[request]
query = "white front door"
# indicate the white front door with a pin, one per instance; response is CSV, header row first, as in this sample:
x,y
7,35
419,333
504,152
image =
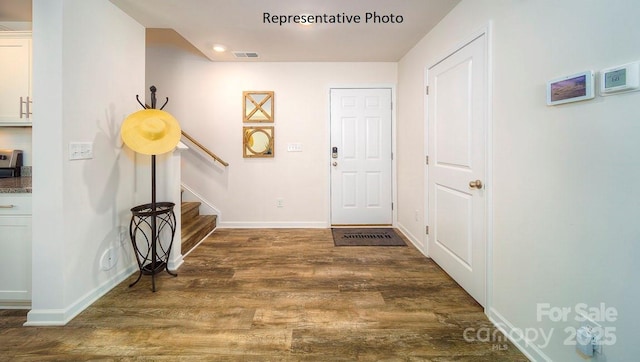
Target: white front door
x,y
457,104
361,157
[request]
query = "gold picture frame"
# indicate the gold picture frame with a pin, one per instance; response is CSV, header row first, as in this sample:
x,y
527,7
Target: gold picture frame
x,y
257,141
257,106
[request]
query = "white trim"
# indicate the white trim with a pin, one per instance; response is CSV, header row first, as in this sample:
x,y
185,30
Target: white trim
x,y
181,146
203,201
173,172
425,186
176,262
394,151
487,32
489,167
15,34
528,348
15,304
198,243
274,225
414,240
60,317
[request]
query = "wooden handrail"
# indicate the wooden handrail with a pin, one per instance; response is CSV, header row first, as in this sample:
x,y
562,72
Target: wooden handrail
x,y
204,149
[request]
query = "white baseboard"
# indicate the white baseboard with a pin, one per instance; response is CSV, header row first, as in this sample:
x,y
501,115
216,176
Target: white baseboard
x,y
60,317
274,225
414,240
11,304
175,262
528,348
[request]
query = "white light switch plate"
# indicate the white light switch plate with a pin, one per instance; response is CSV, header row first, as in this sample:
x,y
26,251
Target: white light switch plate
x,y
294,147
80,150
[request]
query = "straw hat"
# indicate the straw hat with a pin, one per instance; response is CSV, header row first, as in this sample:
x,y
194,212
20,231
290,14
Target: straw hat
x,y
150,132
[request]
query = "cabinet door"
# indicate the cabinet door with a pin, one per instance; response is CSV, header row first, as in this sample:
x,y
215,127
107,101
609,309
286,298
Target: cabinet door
x,y
15,258
15,78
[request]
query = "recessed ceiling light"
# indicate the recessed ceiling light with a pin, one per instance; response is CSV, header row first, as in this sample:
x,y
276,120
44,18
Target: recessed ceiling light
x,y
219,48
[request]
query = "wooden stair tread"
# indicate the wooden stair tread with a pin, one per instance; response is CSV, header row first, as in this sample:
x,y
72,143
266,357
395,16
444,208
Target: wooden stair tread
x,y
194,226
190,210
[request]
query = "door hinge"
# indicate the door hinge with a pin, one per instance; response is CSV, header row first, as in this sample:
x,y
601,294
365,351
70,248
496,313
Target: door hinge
x,y
426,159
392,206
427,229
392,106
392,156
427,90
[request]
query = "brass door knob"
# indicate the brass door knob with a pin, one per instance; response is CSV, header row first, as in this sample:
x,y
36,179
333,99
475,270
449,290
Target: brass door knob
x,y
477,184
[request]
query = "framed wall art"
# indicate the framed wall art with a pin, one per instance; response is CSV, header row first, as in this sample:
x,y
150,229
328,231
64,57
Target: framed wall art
x,y
257,141
257,106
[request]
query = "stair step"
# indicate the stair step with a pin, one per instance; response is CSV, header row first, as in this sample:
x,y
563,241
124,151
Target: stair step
x,y
196,230
194,226
190,210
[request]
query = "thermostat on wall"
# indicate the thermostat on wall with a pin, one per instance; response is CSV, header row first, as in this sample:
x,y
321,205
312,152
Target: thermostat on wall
x,y
623,78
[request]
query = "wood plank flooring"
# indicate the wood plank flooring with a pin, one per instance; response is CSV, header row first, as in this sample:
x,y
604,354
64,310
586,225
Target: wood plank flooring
x,y
273,295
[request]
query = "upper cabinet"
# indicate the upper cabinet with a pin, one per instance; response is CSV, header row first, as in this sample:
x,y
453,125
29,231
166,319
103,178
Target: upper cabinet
x,y
15,79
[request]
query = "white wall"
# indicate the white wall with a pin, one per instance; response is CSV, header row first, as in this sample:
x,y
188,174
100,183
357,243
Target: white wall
x,y
206,98
87,70
565,178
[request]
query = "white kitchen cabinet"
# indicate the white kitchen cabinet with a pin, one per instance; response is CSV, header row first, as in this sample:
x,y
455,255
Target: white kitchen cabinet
x,y
15,78
15,250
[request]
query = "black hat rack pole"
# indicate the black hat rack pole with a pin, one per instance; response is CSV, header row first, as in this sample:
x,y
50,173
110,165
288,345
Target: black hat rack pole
x,y
154,231
154,227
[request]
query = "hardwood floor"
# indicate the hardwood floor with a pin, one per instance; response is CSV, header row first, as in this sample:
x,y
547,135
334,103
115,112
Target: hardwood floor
x,y
274,295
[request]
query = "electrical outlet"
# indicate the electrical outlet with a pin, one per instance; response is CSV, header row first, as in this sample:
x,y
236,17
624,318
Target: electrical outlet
x,y
279,202
109,259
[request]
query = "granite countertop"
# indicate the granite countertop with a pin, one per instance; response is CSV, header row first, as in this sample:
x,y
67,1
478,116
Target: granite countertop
x,y
14,185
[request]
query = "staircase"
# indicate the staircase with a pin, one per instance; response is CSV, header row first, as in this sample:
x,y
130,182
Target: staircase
x,y
194,226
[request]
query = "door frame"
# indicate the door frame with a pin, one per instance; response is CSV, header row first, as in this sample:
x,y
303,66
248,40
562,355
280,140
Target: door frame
x,y
394,193
487,32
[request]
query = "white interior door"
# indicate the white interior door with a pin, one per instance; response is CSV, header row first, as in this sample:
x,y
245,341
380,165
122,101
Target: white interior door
x,y
361,191
457,104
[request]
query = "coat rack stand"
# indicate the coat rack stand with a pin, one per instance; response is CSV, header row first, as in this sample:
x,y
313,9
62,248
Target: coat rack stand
x,y
148,222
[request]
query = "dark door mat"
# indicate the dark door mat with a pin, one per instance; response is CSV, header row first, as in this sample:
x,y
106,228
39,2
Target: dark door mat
x,y
366,237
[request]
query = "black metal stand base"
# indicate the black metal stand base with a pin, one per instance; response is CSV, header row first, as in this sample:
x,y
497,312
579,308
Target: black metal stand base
x,y
148,223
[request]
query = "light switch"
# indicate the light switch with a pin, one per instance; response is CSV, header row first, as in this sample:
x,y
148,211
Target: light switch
x,y
294,147
80,150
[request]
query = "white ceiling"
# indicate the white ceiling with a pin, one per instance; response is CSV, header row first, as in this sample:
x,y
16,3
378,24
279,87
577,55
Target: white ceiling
x,y
238,25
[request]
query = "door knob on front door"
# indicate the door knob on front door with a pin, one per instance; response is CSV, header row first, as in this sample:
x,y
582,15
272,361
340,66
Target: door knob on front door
x,y
477,184
335,163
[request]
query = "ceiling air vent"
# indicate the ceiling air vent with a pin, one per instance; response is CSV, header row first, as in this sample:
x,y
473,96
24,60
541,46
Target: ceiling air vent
x,y
245,54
